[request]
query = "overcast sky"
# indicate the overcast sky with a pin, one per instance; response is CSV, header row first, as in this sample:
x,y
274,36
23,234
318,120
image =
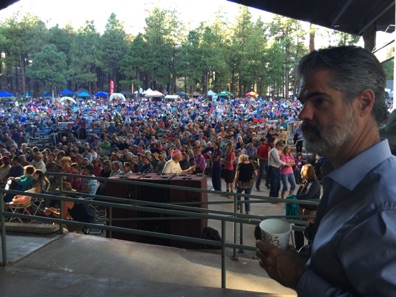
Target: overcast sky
x,y
132,13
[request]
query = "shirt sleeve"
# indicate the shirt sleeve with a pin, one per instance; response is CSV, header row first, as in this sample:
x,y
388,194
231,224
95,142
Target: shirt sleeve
x,y
276,159
368,257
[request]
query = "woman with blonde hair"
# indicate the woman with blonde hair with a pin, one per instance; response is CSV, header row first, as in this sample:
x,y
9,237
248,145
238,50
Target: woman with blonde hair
x,y
244,179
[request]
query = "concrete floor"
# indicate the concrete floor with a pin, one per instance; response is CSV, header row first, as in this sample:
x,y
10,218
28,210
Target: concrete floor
x,y
81,265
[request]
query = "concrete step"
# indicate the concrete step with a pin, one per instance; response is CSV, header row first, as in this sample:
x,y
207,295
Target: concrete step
x,y
83,265
31,228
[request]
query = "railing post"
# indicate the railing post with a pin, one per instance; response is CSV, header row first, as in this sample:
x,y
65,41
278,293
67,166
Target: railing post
x,y
234,253
223,254
3,231
61,205
110,221
241,224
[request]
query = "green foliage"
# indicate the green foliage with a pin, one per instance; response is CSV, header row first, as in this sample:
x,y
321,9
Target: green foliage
x,y
240,55
113,46
49,66
83,55
388,67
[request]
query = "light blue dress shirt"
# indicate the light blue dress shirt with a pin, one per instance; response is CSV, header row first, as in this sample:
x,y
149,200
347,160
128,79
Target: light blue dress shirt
x,y
354,250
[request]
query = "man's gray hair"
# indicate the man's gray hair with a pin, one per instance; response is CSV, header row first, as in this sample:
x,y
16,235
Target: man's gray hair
x,y
353,69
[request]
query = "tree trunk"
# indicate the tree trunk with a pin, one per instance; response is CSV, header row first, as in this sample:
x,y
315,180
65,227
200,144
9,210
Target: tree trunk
x,y
23,75
311,38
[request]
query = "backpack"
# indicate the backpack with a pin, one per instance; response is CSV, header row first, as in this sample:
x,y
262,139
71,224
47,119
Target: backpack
x,y
292,209
211,234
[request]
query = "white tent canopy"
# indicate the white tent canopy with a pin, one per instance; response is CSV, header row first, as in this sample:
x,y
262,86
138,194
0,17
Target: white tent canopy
x,y
140,91
147,91
66,98
117,96
153,94
172,97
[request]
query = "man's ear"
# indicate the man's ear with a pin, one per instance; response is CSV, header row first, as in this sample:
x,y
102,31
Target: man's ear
x,y
366,101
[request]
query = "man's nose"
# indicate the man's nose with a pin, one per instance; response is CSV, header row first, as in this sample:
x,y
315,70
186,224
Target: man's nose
x,y
306,113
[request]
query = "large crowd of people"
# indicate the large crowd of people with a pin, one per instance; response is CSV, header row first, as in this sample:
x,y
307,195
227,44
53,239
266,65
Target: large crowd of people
x,y
141,136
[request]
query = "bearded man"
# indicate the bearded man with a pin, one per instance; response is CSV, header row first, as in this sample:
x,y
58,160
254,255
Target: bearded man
x,y
353,250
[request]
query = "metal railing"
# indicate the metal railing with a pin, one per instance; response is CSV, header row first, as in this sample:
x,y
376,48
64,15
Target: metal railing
x,y
173,211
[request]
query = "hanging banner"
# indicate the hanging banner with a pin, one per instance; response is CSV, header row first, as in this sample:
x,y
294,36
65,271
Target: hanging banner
x,y
111,86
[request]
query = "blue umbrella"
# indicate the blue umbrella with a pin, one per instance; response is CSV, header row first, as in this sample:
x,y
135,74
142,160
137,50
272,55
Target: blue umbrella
x,y
5,94
101,94
66,92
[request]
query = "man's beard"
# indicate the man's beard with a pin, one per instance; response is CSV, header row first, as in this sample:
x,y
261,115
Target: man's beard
x,y
324,140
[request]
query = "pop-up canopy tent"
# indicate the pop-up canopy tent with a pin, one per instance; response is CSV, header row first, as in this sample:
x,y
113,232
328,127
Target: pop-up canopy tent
x,y
211,93
181,94
147,91
172,97
83,95
66,98
153,94
196,94
101,94
66,92
117,96
4,94
225,93
46,95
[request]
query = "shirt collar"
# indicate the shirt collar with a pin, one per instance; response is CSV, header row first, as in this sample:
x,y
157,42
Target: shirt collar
x,y
351,173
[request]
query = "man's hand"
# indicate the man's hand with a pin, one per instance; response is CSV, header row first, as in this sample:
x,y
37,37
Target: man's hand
x,y
286,267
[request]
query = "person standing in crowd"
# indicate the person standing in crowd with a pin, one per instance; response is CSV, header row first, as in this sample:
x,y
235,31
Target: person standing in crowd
x,y
244,179
228,162
353,251
251,151
299,162
286,171
309,190
275,163
200,163
298,138
262,155
216,167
